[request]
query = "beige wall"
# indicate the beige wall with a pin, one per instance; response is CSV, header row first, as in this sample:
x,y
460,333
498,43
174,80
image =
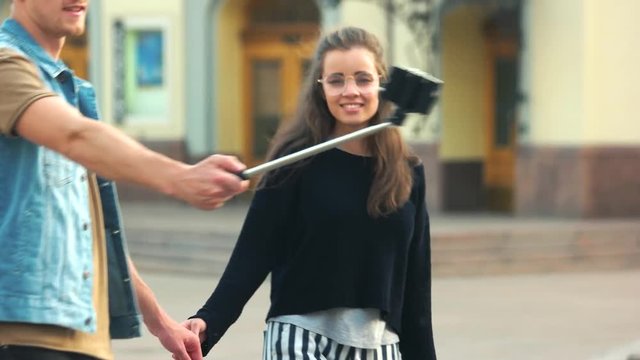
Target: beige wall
x,y
612,72
407,50
367,15
171,12
229,105
557,42
465,77
584,72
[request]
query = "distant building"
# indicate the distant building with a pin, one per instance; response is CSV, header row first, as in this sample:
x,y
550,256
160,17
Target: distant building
x,y
4,8
538,114
539,107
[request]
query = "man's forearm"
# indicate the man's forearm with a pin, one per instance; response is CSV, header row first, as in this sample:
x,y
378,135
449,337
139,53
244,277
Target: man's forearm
x,y
155,318
113,155
53,123
97,146
181,342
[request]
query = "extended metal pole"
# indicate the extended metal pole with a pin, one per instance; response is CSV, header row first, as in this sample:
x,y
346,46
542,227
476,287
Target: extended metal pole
x,y
310,151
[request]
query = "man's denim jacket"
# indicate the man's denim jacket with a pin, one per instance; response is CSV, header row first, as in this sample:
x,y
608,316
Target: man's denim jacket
x,y
46,262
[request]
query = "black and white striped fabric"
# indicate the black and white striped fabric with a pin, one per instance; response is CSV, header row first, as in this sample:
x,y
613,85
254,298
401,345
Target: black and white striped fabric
x,y
289,342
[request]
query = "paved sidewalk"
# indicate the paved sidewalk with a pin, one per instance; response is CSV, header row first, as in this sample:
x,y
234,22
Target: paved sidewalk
x,y
585,316
549,316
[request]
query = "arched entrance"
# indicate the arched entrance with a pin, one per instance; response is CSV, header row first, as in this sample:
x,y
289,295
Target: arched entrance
x,y
501,38
278,42
480,66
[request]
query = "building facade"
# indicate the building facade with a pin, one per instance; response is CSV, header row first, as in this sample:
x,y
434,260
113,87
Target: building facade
x,y
536,118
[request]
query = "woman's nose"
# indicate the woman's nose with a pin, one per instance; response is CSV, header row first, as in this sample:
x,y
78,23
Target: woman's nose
x,y
350,87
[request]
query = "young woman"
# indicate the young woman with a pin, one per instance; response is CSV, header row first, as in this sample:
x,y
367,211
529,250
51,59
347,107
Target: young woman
x,y
344,234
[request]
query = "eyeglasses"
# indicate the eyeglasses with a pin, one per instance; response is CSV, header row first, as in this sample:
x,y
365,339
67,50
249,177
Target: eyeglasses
x,y
336,84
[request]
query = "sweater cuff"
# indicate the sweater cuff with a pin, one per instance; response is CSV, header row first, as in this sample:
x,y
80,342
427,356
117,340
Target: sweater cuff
x,y
212,335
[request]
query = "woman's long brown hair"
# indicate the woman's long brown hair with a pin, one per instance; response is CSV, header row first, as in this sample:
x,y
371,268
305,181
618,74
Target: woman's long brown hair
x,y
313,123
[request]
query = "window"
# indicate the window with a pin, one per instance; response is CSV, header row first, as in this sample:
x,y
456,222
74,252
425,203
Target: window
x,y
141,80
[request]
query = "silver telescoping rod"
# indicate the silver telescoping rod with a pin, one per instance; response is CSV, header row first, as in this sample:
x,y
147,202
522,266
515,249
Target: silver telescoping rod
x,y
313,150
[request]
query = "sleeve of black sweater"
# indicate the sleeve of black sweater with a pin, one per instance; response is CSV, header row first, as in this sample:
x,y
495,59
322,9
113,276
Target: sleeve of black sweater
x,y
251,261
416,336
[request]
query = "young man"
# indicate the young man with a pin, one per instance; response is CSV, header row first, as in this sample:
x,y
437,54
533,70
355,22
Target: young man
x,y
67,285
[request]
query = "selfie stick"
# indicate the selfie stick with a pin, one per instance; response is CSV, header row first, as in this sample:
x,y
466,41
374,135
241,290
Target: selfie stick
x,y
411,91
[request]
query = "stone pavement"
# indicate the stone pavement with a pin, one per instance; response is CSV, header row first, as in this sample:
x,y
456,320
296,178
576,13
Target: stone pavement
x,y
586,315
566,316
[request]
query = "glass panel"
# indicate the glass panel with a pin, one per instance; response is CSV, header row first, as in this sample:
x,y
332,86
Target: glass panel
x,y
283,11
149,59
505,101
266,115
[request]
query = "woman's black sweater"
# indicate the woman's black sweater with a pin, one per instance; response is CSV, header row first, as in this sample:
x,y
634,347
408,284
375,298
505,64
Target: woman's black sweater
x,y
313,234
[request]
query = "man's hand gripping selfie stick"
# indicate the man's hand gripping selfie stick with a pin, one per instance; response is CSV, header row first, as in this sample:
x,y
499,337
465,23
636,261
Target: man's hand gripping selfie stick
x,y
410,90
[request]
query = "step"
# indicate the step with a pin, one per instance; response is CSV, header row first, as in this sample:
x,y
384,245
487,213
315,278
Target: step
x,y
482,251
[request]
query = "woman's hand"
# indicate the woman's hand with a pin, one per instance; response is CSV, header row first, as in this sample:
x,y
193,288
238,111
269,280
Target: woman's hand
x,y
197,326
